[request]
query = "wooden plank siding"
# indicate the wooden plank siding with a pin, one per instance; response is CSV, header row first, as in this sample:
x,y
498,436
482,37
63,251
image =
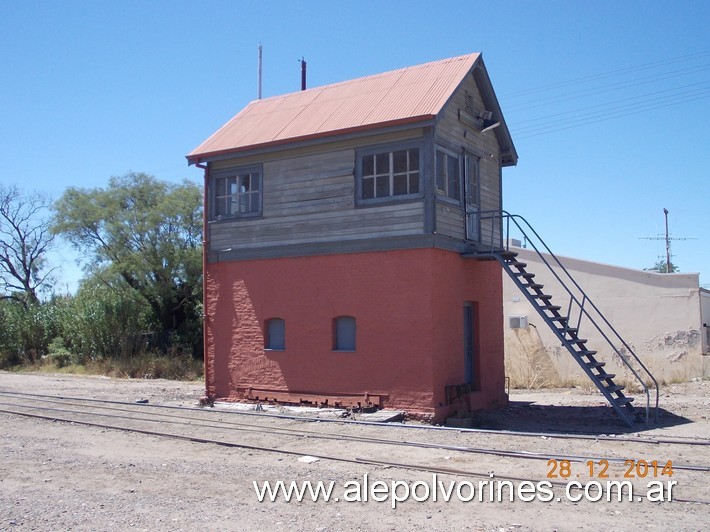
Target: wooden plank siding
x,y
310,198
314,148
450,220
376,222
454,134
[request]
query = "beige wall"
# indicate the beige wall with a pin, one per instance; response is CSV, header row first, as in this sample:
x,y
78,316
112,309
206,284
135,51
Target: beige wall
x,y
658,315
705,314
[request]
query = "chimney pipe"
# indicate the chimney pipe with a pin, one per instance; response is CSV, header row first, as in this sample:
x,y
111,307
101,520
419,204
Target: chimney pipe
x,y
303,74
258,90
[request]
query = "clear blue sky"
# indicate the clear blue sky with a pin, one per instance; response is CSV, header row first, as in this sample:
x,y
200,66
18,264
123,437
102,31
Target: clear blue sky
x,y
92,89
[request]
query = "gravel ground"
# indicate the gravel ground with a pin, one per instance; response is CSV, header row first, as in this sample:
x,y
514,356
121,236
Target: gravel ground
x,y
61,476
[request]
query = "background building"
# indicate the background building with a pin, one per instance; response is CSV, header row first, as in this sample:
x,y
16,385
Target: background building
x,y
663,317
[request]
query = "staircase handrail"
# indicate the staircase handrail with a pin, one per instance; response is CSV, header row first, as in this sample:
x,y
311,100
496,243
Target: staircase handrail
x,y
506,246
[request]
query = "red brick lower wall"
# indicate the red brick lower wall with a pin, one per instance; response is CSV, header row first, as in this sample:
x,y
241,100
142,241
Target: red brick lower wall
x,y
409,311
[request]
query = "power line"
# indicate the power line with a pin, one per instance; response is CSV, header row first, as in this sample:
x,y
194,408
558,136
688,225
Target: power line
x,y
632,98
617,111
611,73
612,87
614,108
607,116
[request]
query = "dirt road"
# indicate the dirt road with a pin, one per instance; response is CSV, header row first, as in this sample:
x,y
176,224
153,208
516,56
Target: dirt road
x,y
57,475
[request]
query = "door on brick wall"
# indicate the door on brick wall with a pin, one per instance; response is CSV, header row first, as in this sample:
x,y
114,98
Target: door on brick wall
x,y
469,343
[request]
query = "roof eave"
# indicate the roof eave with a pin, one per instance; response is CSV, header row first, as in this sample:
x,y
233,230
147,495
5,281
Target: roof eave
x,y
509,155
194,158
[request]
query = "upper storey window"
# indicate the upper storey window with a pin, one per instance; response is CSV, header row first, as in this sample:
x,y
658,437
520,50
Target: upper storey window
x,y
237,193
448,174
388,173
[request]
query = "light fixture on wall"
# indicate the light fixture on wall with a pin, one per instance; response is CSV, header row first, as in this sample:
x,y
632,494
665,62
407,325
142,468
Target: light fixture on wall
x,y
488,122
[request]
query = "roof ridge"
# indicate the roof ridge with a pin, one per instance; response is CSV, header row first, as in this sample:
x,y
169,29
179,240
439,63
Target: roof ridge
x,y
369,76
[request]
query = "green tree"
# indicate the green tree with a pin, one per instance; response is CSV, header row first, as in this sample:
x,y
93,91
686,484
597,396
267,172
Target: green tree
x,y
662,267
147,234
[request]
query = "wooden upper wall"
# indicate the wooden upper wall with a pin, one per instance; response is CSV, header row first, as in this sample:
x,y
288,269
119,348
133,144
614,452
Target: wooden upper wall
x,y
309,203
309,198
453,133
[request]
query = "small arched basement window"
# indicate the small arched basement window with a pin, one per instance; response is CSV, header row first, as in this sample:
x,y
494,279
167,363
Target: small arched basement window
x,y
275,337
344,333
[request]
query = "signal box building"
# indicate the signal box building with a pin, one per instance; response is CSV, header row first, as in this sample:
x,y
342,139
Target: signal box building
x,y
336,223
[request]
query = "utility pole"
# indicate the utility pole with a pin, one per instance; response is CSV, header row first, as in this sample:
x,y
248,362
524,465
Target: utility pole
x,y
668,239
668,243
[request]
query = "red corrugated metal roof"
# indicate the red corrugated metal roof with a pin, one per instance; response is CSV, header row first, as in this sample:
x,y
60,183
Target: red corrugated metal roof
x,y
400,96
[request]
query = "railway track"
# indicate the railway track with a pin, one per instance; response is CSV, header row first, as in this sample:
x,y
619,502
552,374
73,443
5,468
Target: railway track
x,y
106,404
298,436
135,417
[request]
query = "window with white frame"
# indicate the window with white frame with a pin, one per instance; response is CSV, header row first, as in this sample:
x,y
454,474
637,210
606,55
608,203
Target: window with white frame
x,y
237,194
388,173
448,174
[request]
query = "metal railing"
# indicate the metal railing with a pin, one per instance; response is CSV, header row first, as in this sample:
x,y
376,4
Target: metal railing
x,y
495,227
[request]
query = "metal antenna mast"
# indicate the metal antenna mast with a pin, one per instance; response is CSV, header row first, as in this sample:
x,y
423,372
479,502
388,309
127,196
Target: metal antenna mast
x,y
668,239
258,73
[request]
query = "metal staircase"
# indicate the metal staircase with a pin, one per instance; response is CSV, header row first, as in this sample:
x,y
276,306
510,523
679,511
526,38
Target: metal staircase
x,y
496,225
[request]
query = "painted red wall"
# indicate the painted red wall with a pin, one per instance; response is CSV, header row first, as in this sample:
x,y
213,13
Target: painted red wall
x,y
479,282
409,310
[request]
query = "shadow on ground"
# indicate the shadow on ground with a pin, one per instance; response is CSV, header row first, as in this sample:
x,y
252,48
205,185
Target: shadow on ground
x,y
524,416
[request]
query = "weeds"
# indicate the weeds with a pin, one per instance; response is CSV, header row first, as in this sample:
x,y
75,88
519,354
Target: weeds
x,y
97,331
147,366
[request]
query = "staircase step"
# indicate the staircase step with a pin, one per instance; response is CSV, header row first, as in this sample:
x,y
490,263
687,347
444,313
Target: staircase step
x,y
570,330
518,264
605,376
624,400
542,296
592,365
578,341
615,388
554,307
534,286
586,353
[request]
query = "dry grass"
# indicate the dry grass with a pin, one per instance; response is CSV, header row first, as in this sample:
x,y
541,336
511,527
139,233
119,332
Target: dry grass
x,y
139,367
